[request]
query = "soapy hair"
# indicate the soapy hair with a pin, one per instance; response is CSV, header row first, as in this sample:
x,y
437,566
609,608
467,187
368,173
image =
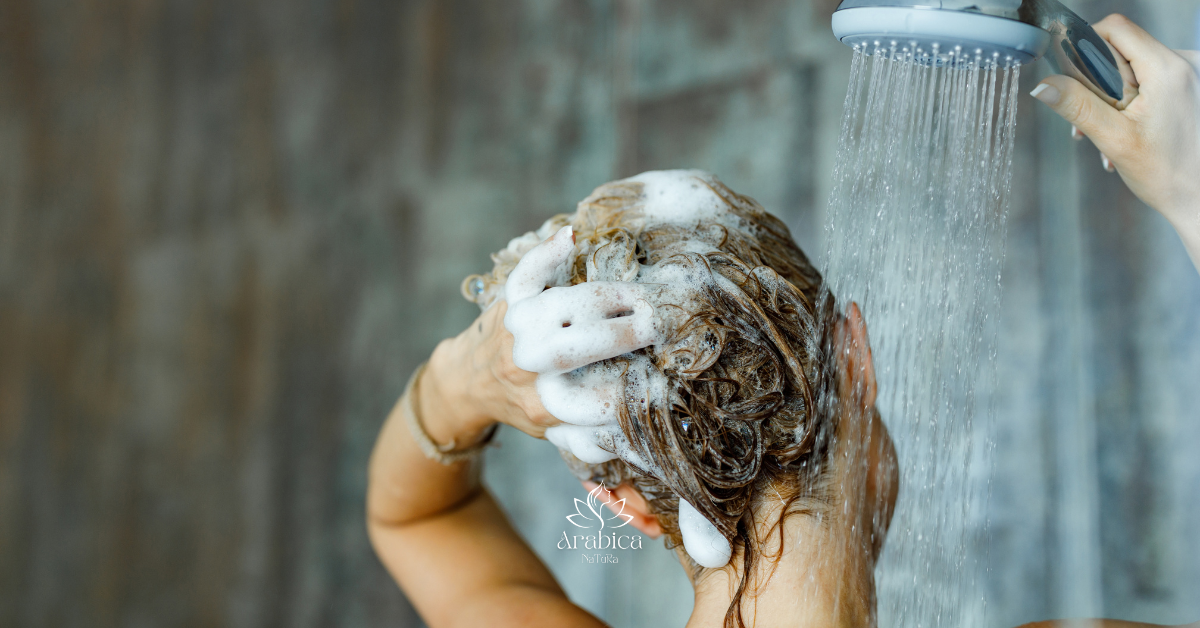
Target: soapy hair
x,y
748,418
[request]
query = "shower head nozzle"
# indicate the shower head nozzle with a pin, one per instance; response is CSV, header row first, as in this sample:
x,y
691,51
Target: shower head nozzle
x,y
938,33
1018,30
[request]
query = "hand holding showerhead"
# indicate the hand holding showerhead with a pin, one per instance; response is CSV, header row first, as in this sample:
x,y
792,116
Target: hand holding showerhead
x,y
1154,142
1138,100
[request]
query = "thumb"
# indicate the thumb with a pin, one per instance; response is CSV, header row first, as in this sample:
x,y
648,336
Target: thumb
x,y
1108,128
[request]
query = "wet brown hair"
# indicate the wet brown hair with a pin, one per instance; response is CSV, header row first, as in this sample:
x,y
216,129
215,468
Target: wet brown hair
x,y
748,418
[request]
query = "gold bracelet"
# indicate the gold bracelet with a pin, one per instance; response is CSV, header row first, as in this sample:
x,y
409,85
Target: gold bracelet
x,y
444,454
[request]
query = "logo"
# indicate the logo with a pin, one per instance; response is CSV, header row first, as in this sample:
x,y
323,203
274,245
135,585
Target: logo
x,y
595,512
590,515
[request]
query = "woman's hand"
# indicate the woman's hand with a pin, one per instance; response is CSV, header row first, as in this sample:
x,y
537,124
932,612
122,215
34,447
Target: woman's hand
x,y
471,382
1155,142
487,374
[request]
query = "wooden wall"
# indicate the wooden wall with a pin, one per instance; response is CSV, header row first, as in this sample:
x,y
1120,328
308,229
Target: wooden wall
x,y
230,229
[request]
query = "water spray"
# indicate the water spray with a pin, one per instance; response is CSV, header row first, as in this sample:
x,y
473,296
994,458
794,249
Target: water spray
x,y
915,233
1021,30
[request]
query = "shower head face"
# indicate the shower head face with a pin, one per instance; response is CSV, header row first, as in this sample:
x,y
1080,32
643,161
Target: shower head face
x,y
938,33
1021,30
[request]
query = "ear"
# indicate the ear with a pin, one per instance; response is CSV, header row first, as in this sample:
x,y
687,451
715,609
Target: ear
x,y
855,358
635,505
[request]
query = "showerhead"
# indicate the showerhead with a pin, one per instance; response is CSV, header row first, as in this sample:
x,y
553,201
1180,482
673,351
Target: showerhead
x,y
1020,30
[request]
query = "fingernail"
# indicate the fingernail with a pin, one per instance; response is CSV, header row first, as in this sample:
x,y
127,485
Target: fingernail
x,y
1047,94
1108,164
1075,134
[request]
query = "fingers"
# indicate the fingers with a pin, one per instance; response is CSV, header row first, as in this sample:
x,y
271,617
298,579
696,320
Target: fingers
x,y
583,397
564,349
591,301
566,328
1144,53
1154,64
1108,128
627,502
587,402
538,266
582,441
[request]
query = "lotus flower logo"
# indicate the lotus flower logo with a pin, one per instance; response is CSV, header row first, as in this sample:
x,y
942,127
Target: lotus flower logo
x,y
590,514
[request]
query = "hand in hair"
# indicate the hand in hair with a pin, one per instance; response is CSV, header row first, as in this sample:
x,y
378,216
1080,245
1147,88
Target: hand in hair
x,y
489,373
471,382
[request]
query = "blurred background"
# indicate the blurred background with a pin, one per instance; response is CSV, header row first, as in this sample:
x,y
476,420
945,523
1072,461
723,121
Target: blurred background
x,y
229,230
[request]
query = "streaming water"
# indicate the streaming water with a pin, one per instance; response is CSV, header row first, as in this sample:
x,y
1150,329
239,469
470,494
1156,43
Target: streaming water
x,y
915,235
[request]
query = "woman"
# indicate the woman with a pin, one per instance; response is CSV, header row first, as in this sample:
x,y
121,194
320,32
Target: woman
x,y
802,558
686,357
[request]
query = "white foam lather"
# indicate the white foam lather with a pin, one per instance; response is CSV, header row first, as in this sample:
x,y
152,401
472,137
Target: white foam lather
x,y
702,540
564,333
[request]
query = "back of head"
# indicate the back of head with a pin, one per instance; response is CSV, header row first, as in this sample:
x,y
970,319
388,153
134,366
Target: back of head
x,y
732,407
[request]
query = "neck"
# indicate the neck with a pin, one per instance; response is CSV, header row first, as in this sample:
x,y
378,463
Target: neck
x,y
822,578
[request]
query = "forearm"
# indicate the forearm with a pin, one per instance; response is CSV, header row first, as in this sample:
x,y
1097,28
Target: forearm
x,y
403,484
467,566
439,533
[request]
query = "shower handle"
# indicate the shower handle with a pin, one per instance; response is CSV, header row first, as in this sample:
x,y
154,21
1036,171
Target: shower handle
x,y
1078,51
